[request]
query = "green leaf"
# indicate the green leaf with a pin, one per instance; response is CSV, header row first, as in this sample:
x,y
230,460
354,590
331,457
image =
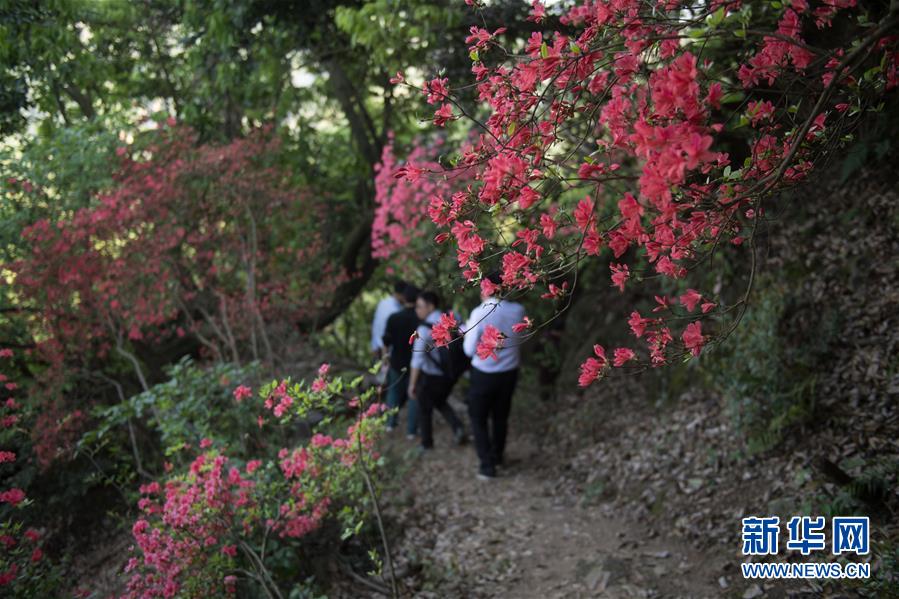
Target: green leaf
x,y
716,18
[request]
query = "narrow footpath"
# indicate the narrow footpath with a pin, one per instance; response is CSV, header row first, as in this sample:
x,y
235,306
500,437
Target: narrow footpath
x,y
521,536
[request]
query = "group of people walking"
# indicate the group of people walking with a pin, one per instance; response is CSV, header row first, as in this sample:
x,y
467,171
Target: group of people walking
x,y
421,375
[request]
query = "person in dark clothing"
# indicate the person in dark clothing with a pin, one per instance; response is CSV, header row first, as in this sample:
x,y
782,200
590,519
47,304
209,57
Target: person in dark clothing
x,y
427,382
399,328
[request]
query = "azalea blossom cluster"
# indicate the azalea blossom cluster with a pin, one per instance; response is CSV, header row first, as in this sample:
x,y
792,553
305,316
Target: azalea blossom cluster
x,y
204,532
191,240
601,141
408,199
21,552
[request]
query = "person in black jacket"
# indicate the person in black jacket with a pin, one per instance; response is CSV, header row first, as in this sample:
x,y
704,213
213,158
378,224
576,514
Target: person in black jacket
x,y
397,332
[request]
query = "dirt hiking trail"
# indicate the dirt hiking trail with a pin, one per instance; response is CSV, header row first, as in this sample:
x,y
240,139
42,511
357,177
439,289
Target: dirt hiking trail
x,y
521,535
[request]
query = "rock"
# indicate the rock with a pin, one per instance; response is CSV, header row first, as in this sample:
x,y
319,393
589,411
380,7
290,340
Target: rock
x,y
597,579
753,592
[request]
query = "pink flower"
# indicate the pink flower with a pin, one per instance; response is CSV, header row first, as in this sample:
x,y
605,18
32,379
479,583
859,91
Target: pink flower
x,y
583,213
622,356
760,111
490,340
5,353
692,337
638,324
7,456
242,392
523,325
397,79
629,207
663,303
319,385
253,465
590,371
538,12
592,243
436,90
441,331
443,115
319,440
323,369
205,443
690,299
10,575
620,275
230,550
488,287
150,488
708,306
592,368
36,555
548,225
13,496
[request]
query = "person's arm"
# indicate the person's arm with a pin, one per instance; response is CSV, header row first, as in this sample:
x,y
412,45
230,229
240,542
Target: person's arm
x,y
387,340
413,383
418,358
377,329
472,332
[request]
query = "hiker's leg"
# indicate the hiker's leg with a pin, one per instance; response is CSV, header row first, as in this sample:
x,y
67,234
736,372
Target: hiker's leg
x,y
441,402
411,410
426,410
503,405
478,409
396,391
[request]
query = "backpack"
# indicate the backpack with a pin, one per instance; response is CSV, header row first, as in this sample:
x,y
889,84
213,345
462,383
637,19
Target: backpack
x,y
450,359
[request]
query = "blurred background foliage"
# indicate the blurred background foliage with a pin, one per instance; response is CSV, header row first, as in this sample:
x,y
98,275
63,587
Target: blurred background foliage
x,y
79,79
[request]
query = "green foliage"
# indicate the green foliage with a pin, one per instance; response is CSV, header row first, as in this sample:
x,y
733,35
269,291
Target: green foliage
x,y
884,583
277,509
396,33
195,403
35,575
767,370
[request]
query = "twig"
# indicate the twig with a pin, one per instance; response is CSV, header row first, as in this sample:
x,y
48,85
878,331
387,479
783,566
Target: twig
x,y
377,509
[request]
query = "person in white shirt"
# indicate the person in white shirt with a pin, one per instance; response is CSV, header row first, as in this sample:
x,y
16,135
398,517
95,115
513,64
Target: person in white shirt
x,y
492,379
386,307
427,382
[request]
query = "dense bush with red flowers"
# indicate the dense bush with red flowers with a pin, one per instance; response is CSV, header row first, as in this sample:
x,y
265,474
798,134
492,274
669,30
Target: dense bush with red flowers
x,y
214,527
208,245
648,135
25,570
